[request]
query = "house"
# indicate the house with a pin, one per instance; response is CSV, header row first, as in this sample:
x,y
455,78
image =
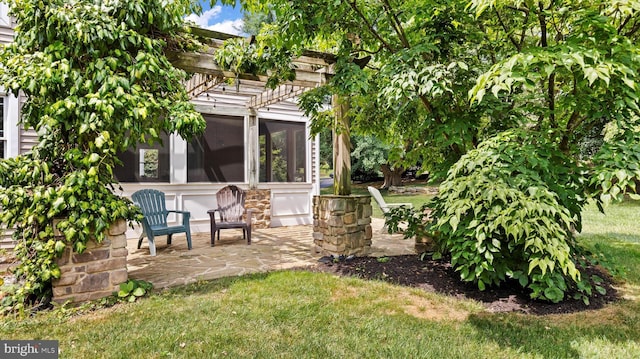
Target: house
x,y
255,138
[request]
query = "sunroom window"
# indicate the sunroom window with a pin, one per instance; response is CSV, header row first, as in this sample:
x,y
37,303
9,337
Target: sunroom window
x,y
282,151
218,155
145,163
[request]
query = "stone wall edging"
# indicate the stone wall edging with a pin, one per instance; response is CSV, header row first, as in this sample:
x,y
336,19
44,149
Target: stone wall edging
x,y
95,273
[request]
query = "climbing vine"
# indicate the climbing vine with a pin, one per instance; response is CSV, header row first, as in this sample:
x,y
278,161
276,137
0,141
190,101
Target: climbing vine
x,y
96,82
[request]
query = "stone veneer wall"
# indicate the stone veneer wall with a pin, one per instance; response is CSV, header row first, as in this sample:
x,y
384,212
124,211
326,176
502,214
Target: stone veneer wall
x,y
342,225
260,201
97,272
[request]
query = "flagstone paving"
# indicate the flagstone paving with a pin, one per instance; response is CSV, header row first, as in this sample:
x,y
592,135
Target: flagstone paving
x,y
271,249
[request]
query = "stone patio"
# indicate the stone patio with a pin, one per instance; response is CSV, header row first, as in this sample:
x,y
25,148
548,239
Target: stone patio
x,y
270,249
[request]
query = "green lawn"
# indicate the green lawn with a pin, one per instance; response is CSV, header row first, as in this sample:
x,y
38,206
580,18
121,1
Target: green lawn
x,y
361,189
298,314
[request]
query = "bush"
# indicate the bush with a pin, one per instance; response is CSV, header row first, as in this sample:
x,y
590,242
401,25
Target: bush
x,y
509,209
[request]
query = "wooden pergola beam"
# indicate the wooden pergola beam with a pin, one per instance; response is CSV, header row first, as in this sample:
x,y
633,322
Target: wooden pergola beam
x,y
279,94
312,69
214,38
200,83
203,63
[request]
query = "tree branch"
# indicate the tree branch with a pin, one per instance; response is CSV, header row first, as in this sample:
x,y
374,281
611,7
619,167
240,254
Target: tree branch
x,y
623,24
551,83
634,29
372,30
551,100
523,34
396,24
573,120
506,30
369,51
543,26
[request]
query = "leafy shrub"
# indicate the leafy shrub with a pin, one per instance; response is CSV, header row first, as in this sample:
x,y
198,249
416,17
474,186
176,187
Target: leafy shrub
x,y
508,209
133,289
616,169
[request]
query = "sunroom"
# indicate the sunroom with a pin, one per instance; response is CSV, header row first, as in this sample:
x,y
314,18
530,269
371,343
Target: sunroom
x,y
256,138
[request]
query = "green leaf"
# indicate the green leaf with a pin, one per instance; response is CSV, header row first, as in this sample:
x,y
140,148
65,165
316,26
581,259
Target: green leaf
x,y
590,74
453,222
59,246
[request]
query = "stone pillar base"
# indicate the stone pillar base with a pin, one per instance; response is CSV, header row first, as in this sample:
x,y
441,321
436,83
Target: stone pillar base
x,y
424,244
260,201
342,225
97,272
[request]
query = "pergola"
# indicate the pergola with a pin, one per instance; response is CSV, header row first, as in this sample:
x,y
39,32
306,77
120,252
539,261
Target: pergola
x,y
312,69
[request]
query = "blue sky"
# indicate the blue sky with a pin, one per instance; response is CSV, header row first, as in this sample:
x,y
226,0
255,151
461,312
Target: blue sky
x,y
225,19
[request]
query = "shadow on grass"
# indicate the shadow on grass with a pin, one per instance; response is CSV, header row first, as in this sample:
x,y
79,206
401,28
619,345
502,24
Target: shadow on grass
x,y
215,285
609,332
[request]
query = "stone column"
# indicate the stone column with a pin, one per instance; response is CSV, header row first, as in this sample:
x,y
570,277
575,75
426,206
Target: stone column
x,y
260,201
342,225
97,272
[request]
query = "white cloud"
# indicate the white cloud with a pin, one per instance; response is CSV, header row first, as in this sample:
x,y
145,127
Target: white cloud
x,y
228,27
203,20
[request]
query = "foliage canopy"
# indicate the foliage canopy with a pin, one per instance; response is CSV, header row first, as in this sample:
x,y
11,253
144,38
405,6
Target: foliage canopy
x,y
434,79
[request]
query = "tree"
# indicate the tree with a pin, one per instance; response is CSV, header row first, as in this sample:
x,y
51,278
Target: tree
x,y
379,46
252,21
96,82
419,73
569,71
370,157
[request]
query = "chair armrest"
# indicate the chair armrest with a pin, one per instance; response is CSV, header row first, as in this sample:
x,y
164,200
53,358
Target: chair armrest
x,y
212,215
250,216
186,215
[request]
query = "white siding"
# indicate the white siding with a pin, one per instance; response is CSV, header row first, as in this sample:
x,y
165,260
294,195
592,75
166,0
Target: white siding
x,y
6,25
26,138
290,202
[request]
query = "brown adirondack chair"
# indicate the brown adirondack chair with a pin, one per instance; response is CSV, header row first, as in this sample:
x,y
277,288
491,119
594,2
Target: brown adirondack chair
x,y
230,210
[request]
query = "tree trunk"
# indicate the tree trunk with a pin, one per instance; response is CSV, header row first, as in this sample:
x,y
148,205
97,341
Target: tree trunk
x,y
341,147
392,177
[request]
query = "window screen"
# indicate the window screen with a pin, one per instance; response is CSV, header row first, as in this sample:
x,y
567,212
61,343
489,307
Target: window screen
x,y
282,151
218,155
145,163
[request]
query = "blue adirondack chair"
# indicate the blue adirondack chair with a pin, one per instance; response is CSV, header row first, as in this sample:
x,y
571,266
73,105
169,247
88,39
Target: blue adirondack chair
x,y
153,206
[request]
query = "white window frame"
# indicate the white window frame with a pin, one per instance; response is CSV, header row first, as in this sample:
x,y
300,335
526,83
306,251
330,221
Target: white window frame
x,y
11,131
3,132
5,20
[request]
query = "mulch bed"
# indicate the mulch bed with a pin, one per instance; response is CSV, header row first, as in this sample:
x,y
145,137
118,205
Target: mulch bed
x,y
438,276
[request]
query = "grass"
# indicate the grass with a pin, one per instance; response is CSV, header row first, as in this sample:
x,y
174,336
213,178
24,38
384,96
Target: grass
x,y
361,189
298,314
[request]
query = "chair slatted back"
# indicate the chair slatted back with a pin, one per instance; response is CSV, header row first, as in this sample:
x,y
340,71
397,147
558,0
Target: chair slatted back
x,y
378,198
152,204
231,203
